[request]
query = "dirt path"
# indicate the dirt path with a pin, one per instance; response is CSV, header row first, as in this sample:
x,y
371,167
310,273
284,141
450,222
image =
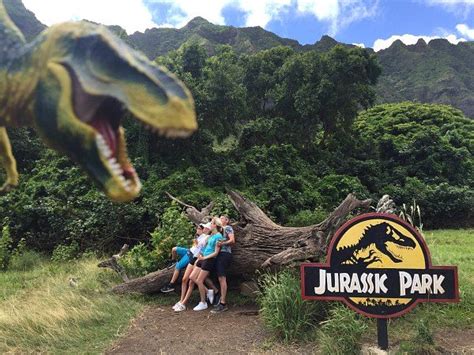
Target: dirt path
x,y
161,330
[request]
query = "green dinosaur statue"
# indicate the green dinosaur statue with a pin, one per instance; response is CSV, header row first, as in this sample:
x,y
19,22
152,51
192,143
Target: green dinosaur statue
x,y
74,84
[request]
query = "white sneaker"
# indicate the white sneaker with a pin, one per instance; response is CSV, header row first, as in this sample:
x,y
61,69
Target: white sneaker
x,y
179,307
210,295
200,307
176,305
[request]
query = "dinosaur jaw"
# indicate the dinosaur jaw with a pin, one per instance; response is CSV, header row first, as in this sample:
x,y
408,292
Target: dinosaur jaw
x,y
104,115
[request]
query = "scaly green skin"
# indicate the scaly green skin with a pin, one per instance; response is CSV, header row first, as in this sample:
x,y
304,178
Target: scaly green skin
x,y
75,78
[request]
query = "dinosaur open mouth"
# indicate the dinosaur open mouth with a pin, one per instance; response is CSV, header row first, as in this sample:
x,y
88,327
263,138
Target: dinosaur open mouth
x,y
104,114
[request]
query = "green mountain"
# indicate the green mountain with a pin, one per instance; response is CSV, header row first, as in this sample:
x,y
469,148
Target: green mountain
x,y
159,41
438,72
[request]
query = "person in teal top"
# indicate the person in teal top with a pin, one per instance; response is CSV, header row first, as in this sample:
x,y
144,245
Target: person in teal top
x,y
203,267
211,244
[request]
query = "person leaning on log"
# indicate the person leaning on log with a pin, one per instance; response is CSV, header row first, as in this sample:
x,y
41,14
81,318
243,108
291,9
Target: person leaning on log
x,y
223,260
187,258
203,267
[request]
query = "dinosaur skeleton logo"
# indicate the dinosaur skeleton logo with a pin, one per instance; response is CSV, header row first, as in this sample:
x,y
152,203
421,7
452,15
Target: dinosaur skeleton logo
x,y
379,236
380,266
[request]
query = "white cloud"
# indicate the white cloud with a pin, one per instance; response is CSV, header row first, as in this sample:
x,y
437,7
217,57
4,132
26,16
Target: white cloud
x,y
459,7
261,12
181,11
130,14
409,39
134,15
466,31
361,45
258,12
339,13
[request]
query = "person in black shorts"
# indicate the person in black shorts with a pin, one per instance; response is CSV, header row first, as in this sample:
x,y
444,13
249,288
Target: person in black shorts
x,y
223,260
203,267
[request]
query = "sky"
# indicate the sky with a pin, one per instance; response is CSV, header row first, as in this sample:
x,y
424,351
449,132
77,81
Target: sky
x,y
368,23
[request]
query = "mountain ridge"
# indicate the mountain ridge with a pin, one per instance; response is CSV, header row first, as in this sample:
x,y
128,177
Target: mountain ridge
x,y
433,72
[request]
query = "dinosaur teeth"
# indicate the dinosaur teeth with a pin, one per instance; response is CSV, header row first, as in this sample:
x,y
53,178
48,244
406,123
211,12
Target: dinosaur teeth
x,y
114,165
116,168
102,145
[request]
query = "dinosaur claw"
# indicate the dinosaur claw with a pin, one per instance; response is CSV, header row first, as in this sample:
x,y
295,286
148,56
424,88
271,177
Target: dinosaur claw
x,y
7,187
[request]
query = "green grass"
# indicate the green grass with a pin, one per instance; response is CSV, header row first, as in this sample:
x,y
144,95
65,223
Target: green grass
x,y
41,312
447,247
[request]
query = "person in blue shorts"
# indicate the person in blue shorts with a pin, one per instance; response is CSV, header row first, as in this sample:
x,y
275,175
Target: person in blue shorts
x,y
187,256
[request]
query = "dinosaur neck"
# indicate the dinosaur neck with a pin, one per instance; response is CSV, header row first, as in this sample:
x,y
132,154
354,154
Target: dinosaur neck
x,y
365,241
18,81
10,36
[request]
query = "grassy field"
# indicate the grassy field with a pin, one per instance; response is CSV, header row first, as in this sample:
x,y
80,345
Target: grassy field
x,y
447,247
40,311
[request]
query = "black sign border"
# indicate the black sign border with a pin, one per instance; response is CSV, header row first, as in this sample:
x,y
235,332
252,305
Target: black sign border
x,y
426,252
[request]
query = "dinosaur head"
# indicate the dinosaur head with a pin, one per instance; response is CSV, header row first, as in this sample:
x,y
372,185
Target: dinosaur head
x,y
93,80
392,235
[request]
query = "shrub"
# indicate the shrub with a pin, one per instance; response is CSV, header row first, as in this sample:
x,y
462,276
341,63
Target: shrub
x,y
65,252
422,342
5,246
139,261
283,310
174,229
307,218
412,215
25,261
341,333
443,205
334,189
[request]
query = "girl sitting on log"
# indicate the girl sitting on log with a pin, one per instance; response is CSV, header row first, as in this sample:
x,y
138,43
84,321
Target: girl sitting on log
x,y
187,257
202,268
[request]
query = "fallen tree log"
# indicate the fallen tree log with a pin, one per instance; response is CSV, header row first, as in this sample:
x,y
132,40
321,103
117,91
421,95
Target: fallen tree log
x,y
193,214
261,243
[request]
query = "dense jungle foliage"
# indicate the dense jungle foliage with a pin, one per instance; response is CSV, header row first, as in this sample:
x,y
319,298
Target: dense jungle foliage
x,y
294,131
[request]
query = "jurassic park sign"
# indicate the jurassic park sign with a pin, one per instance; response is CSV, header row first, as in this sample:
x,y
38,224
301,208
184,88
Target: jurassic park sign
x,y
380,266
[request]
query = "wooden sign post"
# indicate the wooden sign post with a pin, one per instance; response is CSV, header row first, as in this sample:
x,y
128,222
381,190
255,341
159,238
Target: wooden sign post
x,y
380,266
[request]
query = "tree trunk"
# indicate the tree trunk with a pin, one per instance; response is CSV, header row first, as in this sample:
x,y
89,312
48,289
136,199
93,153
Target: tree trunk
x,y
262,244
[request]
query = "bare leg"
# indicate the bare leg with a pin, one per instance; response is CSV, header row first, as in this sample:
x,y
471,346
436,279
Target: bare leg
x,y
175,276
192,278
200,282
184,281
223,284
210,284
